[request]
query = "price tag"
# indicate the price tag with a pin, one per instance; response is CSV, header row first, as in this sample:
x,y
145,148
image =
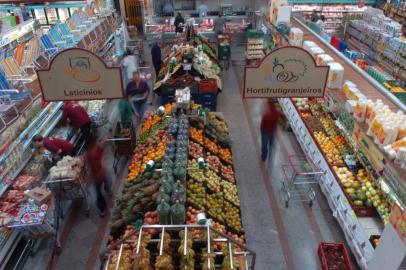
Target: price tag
x,y
187,67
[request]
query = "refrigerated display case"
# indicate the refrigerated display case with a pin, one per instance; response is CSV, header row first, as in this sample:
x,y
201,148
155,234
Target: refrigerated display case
x,y
40,15
63,14
52,15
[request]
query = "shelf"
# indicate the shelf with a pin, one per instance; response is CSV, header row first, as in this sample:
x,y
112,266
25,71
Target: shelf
x,y
39,127
11,35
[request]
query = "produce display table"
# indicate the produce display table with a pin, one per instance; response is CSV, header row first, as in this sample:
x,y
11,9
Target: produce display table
x,y
181,173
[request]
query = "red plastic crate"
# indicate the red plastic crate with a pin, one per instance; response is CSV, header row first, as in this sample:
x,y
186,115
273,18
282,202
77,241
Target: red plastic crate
x,y
323,251
208,86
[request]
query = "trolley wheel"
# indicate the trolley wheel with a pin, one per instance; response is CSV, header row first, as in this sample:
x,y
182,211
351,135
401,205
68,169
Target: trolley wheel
x,y
286,203
311,203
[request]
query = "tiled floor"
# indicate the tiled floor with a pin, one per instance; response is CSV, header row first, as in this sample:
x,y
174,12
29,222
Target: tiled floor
x,y
284,238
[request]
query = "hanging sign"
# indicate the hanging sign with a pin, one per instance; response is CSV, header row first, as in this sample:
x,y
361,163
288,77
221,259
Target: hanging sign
x,y
286,72
77,74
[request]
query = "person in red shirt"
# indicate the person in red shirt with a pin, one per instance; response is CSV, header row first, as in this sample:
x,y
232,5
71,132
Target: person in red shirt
x,y
94,158
77,117
58,147
269,124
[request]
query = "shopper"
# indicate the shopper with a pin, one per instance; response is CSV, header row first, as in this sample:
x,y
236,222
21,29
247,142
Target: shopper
x,y
269,123
202,10
179,22
58,147
94,158
156,57
126,111
314,17
130,65
138,90
219,25
321,22
78,117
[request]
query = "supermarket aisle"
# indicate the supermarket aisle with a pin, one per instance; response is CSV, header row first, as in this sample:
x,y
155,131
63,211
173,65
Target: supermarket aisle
x,y
81,236
283,238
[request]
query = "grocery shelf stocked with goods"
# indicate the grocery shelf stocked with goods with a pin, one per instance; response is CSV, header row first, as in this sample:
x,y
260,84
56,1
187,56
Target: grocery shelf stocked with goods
x,y
235,27
193,65
255,46
183,169
381,40
397,11
335,14
350,136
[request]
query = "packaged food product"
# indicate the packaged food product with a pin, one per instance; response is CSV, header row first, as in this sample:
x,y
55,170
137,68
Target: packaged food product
x,y
394,148
360,109
307,44
324,59
315,51
335,76
296,37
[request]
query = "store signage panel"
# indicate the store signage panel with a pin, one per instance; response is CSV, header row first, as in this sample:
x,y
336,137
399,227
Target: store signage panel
x,y
286,72
77,74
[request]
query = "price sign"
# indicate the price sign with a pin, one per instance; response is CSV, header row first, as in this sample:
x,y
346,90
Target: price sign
x,y
187,67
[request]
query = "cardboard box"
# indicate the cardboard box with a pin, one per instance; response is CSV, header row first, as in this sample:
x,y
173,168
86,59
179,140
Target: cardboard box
x,y
39,195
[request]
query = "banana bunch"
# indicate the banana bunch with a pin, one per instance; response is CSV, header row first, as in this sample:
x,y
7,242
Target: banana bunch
x,y
226,264
143,262
187,262
165,261
206,257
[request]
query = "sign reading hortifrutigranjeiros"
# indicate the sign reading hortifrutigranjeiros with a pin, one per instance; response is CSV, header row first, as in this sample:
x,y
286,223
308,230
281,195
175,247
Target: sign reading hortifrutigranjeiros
x,y
77,74
286,72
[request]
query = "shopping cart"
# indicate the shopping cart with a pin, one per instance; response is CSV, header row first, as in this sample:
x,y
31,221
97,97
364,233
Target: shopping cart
x,y
67,189
124,143
299,177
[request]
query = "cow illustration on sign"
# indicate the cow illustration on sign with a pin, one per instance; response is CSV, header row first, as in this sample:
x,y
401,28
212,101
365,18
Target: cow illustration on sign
x,y
289,71
80,69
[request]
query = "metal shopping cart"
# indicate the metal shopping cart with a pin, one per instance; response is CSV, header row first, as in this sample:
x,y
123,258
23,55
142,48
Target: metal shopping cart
x,y
124,140
299,176
65,189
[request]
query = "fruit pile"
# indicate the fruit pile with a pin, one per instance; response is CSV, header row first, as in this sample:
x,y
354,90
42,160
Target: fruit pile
x,y
152,149
329,148
195,150
196,135
225,154
217,179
